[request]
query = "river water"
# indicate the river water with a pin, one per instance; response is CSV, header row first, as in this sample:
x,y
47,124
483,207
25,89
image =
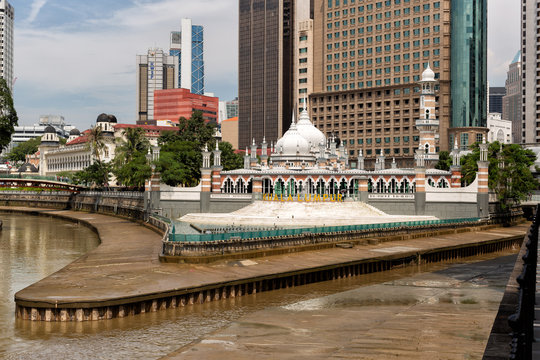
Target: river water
x,y
34,247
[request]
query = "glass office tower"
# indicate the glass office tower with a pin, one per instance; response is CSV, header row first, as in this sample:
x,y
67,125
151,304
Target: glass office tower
x,y
468,70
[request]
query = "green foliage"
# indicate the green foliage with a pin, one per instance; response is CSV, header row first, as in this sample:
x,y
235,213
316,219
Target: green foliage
x,y
97,174
19,152
445,161
510,176
196,129
179,163
8,115
130,165
96,142
180,155
229,159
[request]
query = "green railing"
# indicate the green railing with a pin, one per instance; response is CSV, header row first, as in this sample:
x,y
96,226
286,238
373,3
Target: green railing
x,y
312,230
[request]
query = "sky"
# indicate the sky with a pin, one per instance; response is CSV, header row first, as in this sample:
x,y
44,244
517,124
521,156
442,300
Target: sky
x,y
76,58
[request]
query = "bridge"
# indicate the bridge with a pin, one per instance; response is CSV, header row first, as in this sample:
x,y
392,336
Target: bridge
x,y
38,182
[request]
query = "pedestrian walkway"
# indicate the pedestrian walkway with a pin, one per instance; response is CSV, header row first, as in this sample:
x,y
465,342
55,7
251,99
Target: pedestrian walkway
x,y
125,268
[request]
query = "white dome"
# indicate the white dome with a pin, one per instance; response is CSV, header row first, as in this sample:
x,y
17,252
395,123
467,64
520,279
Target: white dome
x,y
308,131
428,74
292,143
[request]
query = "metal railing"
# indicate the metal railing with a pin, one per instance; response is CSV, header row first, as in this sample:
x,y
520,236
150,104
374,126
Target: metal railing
x,y
35,177
115,194
522,322
273,232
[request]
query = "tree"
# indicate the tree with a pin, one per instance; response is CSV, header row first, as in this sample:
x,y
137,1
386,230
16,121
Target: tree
x,y
8,115
229,159
130,165
196,129
96,174
445,161
179,163
510,176
19,152
96,142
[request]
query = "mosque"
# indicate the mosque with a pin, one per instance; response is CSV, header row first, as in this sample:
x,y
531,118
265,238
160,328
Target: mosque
x,y
304,163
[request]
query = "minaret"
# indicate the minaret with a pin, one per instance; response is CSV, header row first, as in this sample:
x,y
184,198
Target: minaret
x,y
428,124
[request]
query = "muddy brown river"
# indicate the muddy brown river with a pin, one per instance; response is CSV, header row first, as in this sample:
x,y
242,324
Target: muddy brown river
x,y
414,312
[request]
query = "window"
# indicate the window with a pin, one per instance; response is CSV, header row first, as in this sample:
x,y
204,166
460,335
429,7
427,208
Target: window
x,y
464,141
303,38
426,6
436,28
405,139
396,139
302,91
303,60
436,40
387,140
479,138
360,141
425,42
302,81
302,71
303,50
369,141
436,4
377,140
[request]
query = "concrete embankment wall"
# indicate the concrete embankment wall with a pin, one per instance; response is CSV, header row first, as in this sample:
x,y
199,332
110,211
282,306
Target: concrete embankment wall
x,y
230,289
122,203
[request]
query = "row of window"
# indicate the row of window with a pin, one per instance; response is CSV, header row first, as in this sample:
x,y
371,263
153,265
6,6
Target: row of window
x,y
378,50
378,5
368,19
379,71
379,38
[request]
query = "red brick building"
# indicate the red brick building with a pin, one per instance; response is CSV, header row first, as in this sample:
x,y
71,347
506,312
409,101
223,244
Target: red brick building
x,y
171,104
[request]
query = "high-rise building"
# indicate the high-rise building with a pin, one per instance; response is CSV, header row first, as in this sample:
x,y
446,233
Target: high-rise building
x,y
495,99
7,15
468,71
369,56
512,100
155,71
530,42
265,80
188,45
303,52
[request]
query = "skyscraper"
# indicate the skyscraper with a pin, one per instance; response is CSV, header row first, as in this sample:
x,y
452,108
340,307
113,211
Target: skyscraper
x,y
512,100
495,99
188,45
468,71
368,57
7,15
155,71
265,80
530,41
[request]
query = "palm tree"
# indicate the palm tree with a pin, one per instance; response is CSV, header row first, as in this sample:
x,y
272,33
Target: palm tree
x,y
96,142
135,142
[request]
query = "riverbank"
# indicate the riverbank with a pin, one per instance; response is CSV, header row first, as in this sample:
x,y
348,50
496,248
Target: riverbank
x,y
123,276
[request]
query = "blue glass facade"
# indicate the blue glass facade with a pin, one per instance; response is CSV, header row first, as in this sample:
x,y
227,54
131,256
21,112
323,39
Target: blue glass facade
x,y
197,60
469,63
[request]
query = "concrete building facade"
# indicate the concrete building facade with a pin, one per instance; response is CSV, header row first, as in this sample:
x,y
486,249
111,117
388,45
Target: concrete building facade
x,y
265,63
303,52
499,129
155,71
512,100
7,17
368,57
530,41
188,46
171,104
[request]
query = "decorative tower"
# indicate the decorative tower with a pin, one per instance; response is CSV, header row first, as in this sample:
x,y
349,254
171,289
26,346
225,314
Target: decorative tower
x,y
482,199
216,170
428,124
264,152
456,167
253,159
206,171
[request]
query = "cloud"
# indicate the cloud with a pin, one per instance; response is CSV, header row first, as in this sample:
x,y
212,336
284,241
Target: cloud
x,y
34,10
95,62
